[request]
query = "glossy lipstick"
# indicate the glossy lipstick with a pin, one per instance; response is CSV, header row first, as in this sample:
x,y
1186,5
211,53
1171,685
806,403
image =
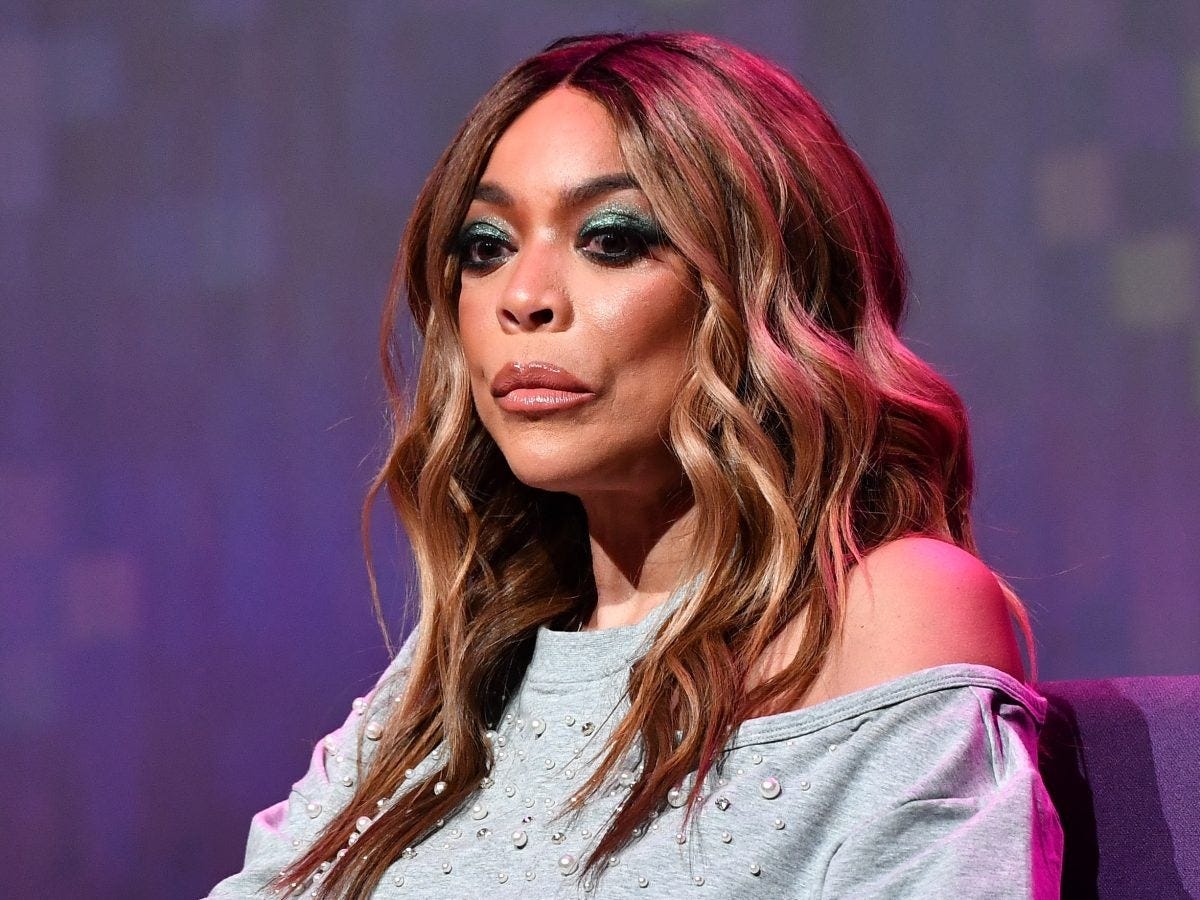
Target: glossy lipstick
x,y
538,387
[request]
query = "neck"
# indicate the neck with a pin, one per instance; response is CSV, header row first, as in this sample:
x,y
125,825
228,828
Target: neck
x,y
639,545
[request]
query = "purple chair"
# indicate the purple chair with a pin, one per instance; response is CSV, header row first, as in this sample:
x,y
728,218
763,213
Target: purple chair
x,y
1120,760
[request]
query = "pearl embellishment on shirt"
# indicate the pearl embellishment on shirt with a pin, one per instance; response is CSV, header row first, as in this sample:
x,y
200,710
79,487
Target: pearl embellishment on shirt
x,y
543,783
770,788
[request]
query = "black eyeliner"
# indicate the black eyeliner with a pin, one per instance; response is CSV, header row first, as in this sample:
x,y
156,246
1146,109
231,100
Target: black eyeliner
x,y
468,235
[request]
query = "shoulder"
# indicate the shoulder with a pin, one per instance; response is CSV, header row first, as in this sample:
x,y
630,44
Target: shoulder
x,y
918,602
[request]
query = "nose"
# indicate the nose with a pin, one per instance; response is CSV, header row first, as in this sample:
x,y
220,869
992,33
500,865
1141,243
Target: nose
x,y
535,297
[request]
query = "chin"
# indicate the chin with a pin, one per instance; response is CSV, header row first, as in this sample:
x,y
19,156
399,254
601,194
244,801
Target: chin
x,y
561,467
581,467
549,478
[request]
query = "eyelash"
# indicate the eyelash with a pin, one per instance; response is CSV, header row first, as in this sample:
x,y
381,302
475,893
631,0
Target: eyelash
x,y
639,237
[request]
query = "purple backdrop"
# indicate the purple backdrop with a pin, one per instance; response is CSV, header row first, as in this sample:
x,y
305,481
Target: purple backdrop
x,y
199,203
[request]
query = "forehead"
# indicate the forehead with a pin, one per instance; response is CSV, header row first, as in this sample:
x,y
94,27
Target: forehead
x,y
562,138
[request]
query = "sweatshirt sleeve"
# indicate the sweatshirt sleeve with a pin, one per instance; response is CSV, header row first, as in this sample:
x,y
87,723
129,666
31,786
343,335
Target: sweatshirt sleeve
x,y
979,824
280,832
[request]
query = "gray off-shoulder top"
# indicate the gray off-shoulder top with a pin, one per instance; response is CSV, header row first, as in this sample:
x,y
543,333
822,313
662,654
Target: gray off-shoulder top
x,y
923,786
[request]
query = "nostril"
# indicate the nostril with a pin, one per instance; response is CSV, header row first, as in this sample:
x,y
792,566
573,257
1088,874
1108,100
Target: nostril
x,y
541,316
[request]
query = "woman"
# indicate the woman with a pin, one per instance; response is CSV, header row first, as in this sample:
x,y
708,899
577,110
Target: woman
x,y
700,604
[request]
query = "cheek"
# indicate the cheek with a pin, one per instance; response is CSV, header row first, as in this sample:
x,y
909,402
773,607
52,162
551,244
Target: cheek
x,y
651,328
472,332
647,340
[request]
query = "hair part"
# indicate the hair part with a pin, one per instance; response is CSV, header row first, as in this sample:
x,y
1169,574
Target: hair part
x,y
807,432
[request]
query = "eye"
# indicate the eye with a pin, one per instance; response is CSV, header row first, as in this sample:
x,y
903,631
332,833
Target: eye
x,y
618,244
619,238
481,246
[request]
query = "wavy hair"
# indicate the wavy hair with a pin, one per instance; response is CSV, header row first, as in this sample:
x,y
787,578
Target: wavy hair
x,y
807,431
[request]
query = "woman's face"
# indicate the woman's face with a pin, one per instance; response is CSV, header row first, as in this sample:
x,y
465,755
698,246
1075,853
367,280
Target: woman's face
x,y
575,315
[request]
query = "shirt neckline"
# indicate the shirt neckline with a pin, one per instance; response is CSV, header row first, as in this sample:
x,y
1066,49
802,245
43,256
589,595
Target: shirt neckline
x,y
797,722
568,657
574,657
563,658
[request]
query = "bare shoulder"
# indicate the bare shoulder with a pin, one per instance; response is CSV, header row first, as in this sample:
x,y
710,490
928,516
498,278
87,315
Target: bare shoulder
x,y
918,602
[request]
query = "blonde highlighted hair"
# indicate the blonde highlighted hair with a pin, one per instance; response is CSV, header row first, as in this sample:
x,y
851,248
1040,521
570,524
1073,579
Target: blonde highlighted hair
x,y
807,431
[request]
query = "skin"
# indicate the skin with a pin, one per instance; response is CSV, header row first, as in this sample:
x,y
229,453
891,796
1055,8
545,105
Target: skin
x,y
616,315
914,603
539,283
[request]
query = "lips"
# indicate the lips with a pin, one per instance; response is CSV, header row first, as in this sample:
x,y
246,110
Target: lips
x,y
538,387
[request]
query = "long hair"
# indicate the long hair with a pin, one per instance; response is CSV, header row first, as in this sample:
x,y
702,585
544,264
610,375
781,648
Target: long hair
x,y
807,431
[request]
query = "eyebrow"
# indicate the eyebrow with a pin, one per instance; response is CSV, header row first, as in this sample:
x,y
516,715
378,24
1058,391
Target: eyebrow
x,y
576,195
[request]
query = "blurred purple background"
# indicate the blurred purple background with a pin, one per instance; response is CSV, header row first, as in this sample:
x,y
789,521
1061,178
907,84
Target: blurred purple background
x,y
199,204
